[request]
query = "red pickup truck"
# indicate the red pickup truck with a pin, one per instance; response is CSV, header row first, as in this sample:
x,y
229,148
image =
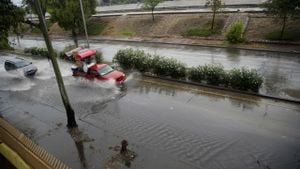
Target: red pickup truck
x,y
99,71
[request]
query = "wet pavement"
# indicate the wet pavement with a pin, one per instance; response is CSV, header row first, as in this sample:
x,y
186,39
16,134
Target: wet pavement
x,y
166,124
281,71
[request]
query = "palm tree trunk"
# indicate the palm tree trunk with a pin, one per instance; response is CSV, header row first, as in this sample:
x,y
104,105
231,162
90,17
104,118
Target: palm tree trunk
x,y
283,27
70,112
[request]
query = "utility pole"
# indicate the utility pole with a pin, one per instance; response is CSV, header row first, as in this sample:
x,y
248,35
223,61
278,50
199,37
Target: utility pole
x,y
84,24
69,110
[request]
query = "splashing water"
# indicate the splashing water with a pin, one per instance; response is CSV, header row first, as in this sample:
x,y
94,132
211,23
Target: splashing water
x,y
15,81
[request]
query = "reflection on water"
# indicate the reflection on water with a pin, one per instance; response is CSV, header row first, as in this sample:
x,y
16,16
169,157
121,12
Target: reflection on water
x,y
244,105
233,54
146,89
264,62
79,139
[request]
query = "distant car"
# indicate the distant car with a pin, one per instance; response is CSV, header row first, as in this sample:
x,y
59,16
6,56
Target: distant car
x,y
101,71
20,64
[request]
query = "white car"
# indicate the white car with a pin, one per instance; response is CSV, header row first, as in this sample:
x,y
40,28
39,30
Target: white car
x,y
20,64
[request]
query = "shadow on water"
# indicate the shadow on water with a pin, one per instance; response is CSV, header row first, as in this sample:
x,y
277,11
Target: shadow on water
x,y
79,139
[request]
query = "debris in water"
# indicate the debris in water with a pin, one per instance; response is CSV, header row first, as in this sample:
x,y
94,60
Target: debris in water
x,y
124,145
124,157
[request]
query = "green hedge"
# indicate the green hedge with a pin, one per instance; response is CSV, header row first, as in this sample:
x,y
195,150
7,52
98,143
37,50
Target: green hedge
x,y
38,51
214,74
211,74
244,79
144,62
168,67
133,59
99,57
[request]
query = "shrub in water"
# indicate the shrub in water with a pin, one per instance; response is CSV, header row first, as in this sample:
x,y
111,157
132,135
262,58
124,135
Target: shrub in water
x,y
143,62
99,57
163,66
235,34
124,58
212,73
38,51
196,74
133,59
244,79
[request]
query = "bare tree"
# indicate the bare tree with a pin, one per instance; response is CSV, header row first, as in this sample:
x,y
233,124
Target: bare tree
x,y
215,6
284,9
151,5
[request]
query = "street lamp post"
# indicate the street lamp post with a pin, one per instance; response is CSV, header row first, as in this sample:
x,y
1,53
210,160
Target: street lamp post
x,y
84,24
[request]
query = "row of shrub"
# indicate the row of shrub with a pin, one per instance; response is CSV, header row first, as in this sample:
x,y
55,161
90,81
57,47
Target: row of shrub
x,y
213,74
242,79
44,53
35,51
144,62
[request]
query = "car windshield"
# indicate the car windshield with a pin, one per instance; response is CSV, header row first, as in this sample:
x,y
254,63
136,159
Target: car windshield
x,y
106,69
22,63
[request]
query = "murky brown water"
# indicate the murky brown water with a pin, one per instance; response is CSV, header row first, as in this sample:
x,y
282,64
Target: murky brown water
x,y
167,125
281,71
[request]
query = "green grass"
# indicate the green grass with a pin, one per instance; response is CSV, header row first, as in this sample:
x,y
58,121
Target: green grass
x,y
290,35
205,30
95,28
127,32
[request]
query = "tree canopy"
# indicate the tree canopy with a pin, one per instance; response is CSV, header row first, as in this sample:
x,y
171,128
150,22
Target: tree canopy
x,y
151,5
215,6
10,18
67,14
284,9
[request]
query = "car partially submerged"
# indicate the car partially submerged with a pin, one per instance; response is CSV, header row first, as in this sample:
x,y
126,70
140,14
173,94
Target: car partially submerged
x,y
100,71
20,64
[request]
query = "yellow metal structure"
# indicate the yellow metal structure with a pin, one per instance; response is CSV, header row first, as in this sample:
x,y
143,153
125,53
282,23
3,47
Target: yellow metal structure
x,y
23,152
13,157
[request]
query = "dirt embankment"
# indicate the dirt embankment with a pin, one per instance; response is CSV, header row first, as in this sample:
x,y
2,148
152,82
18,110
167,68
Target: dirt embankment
x,y
173,28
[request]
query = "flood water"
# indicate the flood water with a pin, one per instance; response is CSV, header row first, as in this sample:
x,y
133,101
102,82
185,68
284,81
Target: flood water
x,y
166,124
281,71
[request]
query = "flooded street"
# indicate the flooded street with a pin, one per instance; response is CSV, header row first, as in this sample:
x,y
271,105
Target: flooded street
x,y
281,71
167,125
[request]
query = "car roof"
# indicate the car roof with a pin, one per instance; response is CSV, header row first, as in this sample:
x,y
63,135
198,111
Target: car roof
x,y
84,53
97,66
15,60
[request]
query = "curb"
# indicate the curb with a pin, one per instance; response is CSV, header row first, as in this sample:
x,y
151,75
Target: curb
x,y
223,88
187,44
